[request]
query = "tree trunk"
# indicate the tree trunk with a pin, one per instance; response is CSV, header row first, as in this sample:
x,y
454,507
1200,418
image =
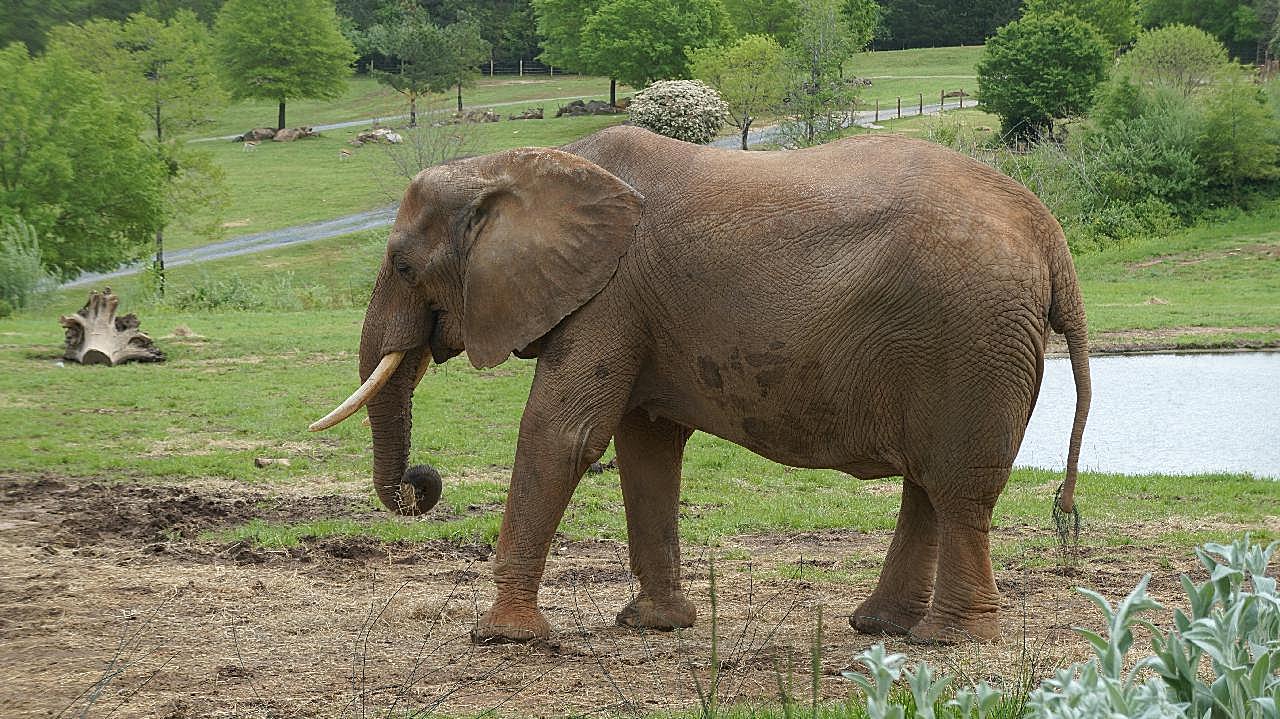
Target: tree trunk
x,y
96,336
280,117
459,96
413,112
746,127
613,92
159,266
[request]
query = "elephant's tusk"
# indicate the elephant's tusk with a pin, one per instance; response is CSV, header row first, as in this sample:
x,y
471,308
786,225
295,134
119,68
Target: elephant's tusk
x,y
423,366
377,378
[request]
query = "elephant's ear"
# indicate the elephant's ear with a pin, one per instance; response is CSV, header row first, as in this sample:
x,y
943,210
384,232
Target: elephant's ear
x,y
547,231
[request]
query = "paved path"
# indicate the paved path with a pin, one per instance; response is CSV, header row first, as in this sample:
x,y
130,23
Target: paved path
x,y
383,216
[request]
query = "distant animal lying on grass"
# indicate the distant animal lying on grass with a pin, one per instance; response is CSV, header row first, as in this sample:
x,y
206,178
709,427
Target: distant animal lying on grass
x,y
877,305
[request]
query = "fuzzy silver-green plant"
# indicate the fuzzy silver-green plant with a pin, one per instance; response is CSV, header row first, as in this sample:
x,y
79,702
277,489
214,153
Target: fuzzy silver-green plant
x,y
687,110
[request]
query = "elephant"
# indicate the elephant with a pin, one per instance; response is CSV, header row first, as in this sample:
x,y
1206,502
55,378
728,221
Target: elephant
x,y
877,305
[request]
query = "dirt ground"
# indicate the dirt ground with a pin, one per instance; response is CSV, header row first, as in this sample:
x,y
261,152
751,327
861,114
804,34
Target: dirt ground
x,y
111,606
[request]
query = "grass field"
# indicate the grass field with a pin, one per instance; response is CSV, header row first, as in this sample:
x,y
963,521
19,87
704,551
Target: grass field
x,y
365,99
909,73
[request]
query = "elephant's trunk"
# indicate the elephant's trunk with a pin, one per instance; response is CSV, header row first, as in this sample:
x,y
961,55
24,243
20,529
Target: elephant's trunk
x,y
401,489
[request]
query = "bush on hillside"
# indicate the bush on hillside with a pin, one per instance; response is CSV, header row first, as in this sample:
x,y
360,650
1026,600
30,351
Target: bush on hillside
x,y
687,110
22,276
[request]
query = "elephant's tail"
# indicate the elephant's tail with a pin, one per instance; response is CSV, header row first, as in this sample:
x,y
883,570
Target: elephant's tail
x,y
1066,316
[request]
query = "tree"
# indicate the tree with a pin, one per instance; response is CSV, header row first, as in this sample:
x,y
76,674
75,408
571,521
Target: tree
x,y
819,100
942,23
282,50
639,41
417,50
1180,57
687,110
1241,139
165,72
1117,20
464,50
775,18
1246,27
560,24
751,76
1041,68
73,164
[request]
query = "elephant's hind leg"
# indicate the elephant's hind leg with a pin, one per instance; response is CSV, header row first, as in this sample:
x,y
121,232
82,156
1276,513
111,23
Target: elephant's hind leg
x,y
649,456
966,603
901,598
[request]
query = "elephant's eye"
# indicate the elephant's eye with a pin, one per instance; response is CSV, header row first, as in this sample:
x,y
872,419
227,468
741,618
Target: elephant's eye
x,y
405,269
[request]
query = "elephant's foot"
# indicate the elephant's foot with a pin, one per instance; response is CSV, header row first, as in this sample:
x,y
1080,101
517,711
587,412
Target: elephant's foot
x,y
937,629
670,613
876,616
508,624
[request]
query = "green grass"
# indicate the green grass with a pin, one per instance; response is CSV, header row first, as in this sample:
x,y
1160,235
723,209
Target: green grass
x,y
908,73
365,99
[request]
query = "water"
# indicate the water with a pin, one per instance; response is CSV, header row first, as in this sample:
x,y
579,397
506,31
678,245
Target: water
x,y
1167,414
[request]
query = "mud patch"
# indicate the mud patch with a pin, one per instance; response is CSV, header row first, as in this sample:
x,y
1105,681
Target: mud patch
x,y
1170,339
1262,251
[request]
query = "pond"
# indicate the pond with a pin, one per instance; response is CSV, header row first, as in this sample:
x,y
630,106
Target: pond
x,y
1164,413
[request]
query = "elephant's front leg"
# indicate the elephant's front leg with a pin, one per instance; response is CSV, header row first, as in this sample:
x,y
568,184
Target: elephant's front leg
x,y
649,457
551,456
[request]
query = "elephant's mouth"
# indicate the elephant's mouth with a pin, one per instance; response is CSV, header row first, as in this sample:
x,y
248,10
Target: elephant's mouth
x,y
438,341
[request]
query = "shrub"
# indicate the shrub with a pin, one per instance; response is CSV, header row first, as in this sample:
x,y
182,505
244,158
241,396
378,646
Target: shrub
x,y
1223,659
1041,68
1179,57
22,275
687,110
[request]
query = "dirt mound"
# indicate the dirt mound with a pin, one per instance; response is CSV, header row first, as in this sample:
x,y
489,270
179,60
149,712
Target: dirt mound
x,y
89,511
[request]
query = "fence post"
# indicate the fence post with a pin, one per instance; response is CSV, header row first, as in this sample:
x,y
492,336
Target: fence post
x,y
521,67
899,107
490,67
942,99
552,70
962,98
921,113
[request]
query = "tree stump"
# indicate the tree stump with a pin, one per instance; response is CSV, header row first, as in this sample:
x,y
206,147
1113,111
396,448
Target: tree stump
x,y
96,336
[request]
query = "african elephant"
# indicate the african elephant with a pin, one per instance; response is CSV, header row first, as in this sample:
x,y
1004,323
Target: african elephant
x,y
877,305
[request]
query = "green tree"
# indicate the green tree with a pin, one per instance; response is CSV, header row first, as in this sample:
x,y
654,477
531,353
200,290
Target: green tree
x,y
560,24
1180,57
418,53
639,41
282,50
941,23
165,72
775,18
464,49
1041,68
1246,27
1117,20
73,164
818,99
1241,139
751,76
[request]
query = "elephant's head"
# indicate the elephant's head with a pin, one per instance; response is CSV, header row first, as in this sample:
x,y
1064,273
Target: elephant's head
x,y
486,255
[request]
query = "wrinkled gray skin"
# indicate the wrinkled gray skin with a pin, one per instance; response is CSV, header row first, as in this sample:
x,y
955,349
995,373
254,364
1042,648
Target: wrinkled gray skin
x,y
877,305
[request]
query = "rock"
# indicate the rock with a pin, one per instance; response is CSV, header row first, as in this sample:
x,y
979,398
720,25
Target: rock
x,y
534,113
594,107
624,103
289,134
475,116
256,134
378,134
261,462
956,93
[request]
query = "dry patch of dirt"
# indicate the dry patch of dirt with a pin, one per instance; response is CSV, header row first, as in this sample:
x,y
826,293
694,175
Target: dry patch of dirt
x,y
106,586
1168,339
1266,251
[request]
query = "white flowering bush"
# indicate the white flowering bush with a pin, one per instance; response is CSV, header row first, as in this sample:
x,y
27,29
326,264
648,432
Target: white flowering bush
x,y
687,110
